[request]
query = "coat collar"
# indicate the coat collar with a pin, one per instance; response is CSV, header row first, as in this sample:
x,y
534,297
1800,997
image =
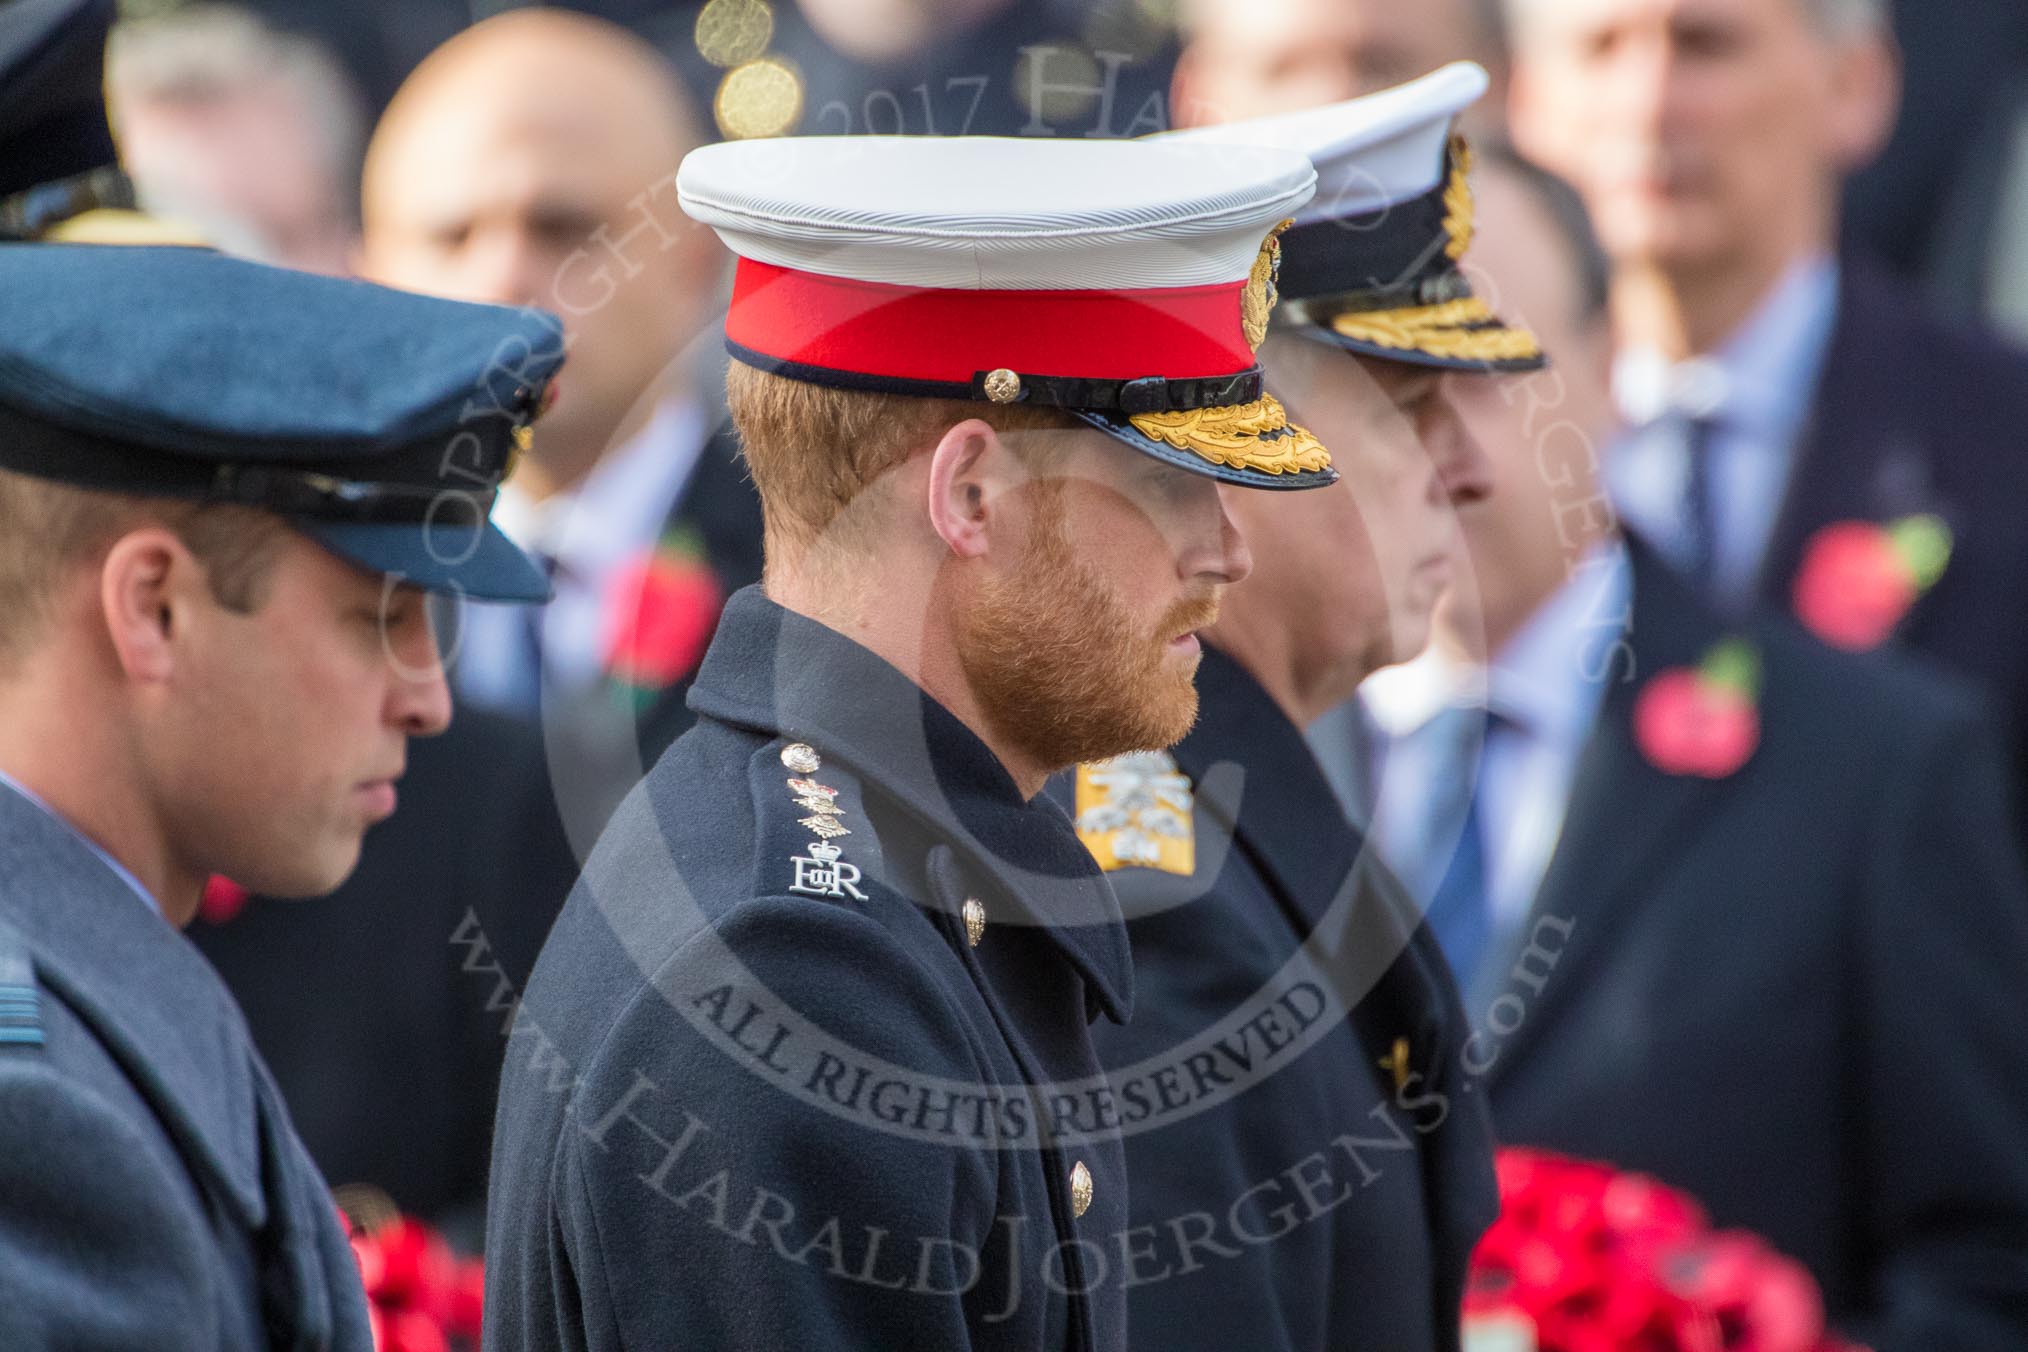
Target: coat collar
x,y
1295,832
152,1000
781,674
1286,812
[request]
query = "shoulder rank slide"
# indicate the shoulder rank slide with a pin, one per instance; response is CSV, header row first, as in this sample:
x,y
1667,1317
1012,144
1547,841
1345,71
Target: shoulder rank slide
x,y
822,871
1134,811
20,1008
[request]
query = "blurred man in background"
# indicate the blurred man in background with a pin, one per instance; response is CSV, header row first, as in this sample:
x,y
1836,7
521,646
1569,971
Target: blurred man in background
x,y
531,160
1247,59
1804,434
1730,909
250,135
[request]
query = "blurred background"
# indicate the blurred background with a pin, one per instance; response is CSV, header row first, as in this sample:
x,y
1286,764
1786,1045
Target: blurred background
x,y
1946,203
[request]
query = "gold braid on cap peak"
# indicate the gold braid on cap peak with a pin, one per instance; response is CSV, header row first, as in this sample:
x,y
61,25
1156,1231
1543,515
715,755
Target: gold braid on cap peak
x,y
1458,199
1445,330
1236,436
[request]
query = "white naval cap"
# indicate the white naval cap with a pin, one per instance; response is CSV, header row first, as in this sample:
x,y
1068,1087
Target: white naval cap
x,y
1125,282
1372,262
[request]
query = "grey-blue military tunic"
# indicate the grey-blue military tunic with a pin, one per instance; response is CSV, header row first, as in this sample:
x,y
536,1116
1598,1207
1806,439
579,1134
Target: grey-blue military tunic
x,y
791,1070
152,1192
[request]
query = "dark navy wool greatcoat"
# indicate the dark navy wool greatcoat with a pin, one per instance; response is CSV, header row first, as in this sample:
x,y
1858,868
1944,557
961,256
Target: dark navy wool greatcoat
x,y
791,1071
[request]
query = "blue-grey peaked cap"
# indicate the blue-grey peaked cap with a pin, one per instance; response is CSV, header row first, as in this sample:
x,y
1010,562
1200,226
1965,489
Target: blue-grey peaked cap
x,y
377,421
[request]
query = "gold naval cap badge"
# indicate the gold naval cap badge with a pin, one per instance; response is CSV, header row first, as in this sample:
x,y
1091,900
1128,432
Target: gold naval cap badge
x,y
1257,300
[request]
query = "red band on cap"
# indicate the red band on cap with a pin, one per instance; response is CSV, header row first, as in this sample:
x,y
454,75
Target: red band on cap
x,y
923,333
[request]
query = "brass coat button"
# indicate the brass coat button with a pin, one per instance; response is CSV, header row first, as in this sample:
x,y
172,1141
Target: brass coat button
x,y
1080,1189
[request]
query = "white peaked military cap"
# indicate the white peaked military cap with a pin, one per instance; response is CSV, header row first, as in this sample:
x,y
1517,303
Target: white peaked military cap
x,y
1371,264
1127,283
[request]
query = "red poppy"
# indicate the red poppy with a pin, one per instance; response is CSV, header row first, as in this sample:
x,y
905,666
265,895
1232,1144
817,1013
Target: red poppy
x,y
1858,578
664,608
1702,721
1586,1259
420,1296
222,900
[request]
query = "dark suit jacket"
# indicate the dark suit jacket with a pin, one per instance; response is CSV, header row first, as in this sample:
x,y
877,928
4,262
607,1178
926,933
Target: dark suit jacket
x,y
1338,1203
152,1191
1800,992
722,508
383,1008
1913,415
1958,60
758,1100
603,740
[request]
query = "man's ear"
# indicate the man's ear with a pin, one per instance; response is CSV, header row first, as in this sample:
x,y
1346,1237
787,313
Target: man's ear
x,y
971,474
1866,100
143,584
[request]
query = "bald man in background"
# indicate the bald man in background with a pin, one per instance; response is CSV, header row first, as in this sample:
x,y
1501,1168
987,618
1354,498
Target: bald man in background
x,y
532,160
1247,59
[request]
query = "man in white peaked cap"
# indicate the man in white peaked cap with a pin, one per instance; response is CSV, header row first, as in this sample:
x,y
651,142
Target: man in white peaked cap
x,y
1309,1169
806,1060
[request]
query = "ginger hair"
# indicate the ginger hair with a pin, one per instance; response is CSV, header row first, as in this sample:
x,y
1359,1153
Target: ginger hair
x,y
812,450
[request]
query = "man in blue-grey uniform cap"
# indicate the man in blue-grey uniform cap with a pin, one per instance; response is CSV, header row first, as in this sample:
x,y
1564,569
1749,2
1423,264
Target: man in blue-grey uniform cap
x,y
226,489
1310,1168
788,1073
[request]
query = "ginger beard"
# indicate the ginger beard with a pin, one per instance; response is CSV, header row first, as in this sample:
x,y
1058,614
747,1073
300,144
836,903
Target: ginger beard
x,y
1059,665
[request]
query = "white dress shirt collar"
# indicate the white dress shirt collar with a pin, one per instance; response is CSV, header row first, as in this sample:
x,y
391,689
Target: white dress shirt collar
x,y
1746,405
593,528
591,533
1760,379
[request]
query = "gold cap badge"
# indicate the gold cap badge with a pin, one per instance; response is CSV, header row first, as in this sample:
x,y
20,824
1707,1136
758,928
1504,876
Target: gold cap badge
x,y
1257,301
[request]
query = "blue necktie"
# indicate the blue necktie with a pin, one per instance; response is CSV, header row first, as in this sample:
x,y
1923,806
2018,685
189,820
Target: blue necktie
x,y
529,668
1699,507
1459,913
1457,907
